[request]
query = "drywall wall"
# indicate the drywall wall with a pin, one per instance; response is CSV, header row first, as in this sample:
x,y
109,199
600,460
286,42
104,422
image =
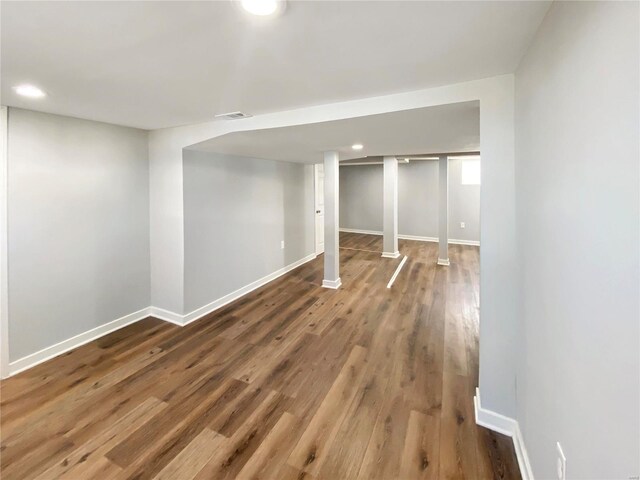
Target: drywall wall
x,y
78,227
498,302
237,210
361,200
464,205
418,199
361,197
577,184
166,221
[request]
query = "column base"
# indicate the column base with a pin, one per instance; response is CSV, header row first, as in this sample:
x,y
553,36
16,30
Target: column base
x,y
390,255
334,284
444,262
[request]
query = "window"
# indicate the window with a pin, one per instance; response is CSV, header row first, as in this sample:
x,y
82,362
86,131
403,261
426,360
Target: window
x,y
471,172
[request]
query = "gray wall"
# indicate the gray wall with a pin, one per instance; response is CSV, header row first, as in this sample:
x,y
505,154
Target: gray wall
x,y
577,205
418,199
78,227
361,200
361,197
236,212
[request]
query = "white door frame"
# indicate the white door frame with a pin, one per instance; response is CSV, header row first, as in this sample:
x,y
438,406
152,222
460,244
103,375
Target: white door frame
x,y
316,209
4,272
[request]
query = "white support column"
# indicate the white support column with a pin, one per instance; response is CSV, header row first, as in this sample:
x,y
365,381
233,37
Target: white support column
x,y
443,211
390,208
331,221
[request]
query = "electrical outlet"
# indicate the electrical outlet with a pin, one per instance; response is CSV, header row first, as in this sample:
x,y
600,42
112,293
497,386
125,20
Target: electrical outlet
x,y
462,225
561,463
282,244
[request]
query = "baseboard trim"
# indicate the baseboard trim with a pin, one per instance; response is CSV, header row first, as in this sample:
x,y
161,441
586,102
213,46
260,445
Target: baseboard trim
x,y
221,302
452,241
473,243
334,284
390,255
364,232
444,262
506,426
48,353
418,238
166,315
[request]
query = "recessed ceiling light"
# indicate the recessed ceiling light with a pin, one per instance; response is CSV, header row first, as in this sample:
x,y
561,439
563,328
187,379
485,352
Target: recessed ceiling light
x,y
30,91
357,146
263,8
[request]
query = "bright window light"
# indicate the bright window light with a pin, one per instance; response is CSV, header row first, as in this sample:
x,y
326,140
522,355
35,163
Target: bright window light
x,y
470,172
357,146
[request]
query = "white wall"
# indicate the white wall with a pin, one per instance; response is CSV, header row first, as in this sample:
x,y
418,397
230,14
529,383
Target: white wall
x,y
361,200
237,210
577,151
78,227
498,288
361,197
464,205
166,221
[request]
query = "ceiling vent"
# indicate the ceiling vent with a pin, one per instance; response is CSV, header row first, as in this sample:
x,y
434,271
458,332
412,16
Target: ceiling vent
x,y
233,115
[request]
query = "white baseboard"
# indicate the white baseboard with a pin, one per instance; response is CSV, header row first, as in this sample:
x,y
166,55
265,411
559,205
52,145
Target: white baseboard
x,y
48,353
334,284
455,241
390,255
418,238
221,302
452,241
444,262
364,232
506,426
166,315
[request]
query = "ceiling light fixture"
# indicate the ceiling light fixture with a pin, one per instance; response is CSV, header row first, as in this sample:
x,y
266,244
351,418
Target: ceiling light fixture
x,y
263,8
357,146
30,91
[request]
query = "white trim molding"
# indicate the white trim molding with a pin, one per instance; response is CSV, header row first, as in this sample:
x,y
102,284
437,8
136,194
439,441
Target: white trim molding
x,y
444,262
198,313
397,272
418,238
364,232
506,426
48,353
334,284
222,301
390,255
453,241
456,241
167,316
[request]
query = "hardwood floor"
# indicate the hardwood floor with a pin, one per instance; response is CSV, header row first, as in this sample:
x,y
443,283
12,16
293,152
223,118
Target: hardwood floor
x,y
290,381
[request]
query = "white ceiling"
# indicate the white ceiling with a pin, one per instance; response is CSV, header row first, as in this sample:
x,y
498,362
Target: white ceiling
x,y
160,64
442,129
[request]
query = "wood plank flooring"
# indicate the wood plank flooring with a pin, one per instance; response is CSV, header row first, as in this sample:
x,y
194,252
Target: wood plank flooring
x,y
292,381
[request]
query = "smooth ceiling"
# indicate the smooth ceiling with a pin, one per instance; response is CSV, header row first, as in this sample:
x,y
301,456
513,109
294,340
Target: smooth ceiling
x,y
161,64
447,128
